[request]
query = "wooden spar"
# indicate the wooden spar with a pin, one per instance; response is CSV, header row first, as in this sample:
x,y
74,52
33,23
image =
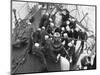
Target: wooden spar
x,y
80,24
84,17
16,21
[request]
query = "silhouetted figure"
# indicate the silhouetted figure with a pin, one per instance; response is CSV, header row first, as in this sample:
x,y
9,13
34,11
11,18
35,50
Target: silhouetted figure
x,y
65,15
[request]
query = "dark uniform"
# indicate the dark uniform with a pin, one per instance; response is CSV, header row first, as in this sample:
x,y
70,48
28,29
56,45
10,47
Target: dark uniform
x,y
49,51
85,63
70,34
42,34
44,21
32,19
76,35
36,37
83,37
63,24
39,52
66,43
58,30
49,30
72,25
39,37
65,17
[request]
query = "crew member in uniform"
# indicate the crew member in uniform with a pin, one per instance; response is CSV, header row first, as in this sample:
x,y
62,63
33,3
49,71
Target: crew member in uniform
x,y
44,20
65,15
38,45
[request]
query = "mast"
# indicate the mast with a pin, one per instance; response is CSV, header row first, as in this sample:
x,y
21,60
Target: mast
x,y
16,21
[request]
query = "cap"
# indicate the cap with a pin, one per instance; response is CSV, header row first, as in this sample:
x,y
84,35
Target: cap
x,y
36,44
39,29
62,28
50,19
65,35
43,27
67,22
52,24
46,37
67,28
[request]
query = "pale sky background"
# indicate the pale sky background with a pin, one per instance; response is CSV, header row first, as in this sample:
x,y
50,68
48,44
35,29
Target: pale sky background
x,y
22,11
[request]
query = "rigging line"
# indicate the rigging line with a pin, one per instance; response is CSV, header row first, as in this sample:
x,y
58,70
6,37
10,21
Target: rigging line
x,y
86,21
77,12
83,17
23,57
33,14
21,7
72,10
81,25
21,62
